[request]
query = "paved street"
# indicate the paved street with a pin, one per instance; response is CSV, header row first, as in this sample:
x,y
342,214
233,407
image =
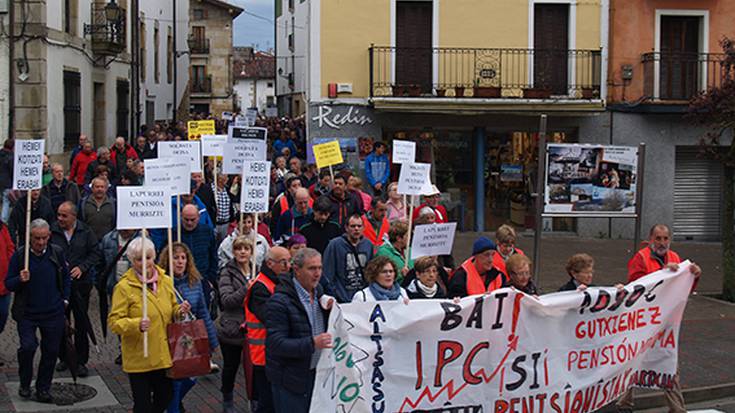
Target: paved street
x,y
707,351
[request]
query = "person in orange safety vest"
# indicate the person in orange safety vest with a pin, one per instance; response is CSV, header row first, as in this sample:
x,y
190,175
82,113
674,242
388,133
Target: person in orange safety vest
x,y
477,275
505,239
277,261
375,222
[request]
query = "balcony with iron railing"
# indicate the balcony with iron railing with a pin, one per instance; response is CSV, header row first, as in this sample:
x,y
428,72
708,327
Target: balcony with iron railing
x,y
198,45
672,77
107,29
499,73
201,86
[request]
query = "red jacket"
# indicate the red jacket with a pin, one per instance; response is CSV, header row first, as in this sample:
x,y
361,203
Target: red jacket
x,y
643,263
129,153
79,166
7,248
440,211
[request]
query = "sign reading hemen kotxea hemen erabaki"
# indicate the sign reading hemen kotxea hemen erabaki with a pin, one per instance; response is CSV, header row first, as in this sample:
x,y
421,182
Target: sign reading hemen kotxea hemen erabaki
x,y
143,207
28,167
255,186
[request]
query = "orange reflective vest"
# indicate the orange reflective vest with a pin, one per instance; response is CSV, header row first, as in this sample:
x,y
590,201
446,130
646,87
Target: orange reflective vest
x,y
284,203
255,328
499,261
369,232
474,284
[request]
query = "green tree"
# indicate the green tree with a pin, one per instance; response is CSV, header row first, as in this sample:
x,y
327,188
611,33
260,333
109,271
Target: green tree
x,y
715,111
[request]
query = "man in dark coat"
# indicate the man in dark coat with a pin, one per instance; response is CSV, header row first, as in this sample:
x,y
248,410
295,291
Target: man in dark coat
x,y
40,208
320,230
342,204
296,327
79,245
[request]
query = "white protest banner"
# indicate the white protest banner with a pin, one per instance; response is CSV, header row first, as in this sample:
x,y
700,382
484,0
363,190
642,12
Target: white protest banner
x,y
189,150
238,152
172,173
574,351
241,122
256,179
414,179
143,207
213,145
28,164
404,151
433,239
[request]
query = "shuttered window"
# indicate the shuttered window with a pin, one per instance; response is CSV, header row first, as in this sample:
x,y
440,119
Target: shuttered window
x,y
550,47
413,44
697,196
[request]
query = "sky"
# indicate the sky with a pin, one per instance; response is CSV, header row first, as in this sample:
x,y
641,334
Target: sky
x,y
250,30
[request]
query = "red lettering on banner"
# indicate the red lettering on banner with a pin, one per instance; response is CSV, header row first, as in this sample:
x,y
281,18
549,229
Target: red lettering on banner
x,y
443,360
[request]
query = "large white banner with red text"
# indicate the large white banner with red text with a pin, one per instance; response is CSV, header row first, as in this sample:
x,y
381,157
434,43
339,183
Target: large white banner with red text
x,y
504,352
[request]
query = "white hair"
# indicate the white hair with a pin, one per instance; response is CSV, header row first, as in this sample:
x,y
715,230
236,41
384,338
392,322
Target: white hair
x,y
135,249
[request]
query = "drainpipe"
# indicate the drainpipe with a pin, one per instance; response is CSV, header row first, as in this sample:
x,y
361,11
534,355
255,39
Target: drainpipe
x,y
11,70
175,62
480,137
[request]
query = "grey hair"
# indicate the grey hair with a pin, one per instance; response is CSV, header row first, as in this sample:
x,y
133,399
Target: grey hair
x,y
39,223
303,255
55,164
73,208
135,249
102,150
100,178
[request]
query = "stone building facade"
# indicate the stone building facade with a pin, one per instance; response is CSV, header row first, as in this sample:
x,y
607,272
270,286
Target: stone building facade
x,y
210,45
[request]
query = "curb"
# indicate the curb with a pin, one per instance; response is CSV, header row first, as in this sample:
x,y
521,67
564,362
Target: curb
x,y
691,395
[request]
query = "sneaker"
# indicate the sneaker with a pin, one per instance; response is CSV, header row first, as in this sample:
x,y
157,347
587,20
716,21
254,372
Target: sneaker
x,y
43,396
82,371
213,367
61,366
24,392
118,359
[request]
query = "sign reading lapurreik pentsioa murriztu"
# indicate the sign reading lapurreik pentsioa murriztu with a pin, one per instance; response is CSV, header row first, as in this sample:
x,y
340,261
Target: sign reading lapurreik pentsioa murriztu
x,y
591,179
143,207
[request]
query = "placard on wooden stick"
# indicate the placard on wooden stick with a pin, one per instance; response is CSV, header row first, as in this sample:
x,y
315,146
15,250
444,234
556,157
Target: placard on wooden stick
x,y
327,154
197,128
185,150
28,164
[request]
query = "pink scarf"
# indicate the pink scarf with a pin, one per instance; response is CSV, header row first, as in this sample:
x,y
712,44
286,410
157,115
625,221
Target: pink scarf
x,y
153,281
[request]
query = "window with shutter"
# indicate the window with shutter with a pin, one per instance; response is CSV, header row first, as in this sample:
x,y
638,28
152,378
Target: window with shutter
x,y
413,44
551,47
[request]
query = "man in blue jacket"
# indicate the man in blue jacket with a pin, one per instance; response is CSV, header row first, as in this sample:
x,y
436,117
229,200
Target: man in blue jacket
x,y
344,261
377,168
41,293
296,326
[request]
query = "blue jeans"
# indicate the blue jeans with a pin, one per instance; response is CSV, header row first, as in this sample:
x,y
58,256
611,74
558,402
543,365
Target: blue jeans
x,y
52,331
286,401
5,213
4,306
181,387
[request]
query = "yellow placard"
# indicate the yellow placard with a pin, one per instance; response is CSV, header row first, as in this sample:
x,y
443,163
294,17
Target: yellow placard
x,y
327,154
197,128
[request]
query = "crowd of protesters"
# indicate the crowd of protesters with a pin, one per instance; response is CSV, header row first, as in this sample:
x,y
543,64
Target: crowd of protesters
x,y
325,235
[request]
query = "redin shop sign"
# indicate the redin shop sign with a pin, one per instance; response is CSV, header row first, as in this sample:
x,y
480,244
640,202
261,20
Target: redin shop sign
x,y
326,116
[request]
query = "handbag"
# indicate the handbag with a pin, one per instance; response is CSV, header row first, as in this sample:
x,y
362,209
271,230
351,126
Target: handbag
x,y
188,344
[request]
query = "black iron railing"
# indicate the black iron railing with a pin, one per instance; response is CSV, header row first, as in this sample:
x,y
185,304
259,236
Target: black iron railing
x,y
198,46
203,85
681,76
108,36
486,73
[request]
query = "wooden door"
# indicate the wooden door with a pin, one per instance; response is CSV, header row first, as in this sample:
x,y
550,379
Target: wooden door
x,y
413,44
551,47
679,73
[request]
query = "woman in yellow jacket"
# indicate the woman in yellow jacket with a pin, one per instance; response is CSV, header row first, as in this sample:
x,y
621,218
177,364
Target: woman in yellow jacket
x,y
152,390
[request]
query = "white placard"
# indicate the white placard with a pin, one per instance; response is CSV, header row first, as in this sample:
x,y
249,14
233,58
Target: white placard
x,y
28,166
256,179
213,145
404,151
238,152
251,115
227,116
143,207
172,173
433,239
182,150
271,112
414,179
241,122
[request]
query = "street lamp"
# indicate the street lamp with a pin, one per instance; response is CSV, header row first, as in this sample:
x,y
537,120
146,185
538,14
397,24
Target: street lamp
x,y
112,12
